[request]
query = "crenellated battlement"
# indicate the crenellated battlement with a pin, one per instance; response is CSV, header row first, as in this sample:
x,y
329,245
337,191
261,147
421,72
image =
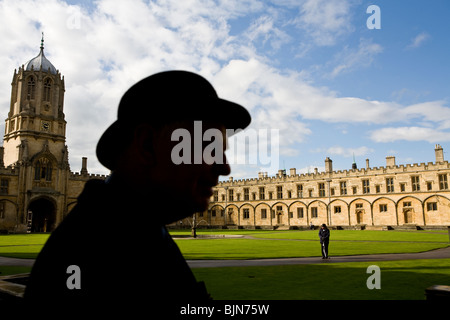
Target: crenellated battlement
x,y
263,178
9,170
84,174
80,176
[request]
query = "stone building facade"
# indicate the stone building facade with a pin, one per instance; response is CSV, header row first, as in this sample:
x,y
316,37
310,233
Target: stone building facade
x,y
37,188
412,195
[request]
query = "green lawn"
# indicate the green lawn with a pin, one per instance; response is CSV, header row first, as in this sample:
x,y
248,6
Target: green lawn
x,y
261,249
8,270
400,280
288,244
358,235
267,244
22,245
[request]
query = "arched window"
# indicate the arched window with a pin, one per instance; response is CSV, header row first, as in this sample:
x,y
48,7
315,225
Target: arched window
x,y
47,89
43,170
31,88
2,209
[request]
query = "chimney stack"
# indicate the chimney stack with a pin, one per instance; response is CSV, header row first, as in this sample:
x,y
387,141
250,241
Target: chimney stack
x,y
84,166
281,173
367,164
439,152
328,165
390,161
292,172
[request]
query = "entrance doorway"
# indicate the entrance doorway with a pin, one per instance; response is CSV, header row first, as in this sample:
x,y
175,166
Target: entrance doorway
x,y
359,217
43,215
279,217
408,216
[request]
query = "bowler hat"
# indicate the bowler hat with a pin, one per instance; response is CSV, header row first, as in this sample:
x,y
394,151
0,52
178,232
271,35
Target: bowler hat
x,y
164,98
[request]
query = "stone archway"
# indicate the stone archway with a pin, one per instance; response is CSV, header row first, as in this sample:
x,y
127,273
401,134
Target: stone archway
x,y
43,215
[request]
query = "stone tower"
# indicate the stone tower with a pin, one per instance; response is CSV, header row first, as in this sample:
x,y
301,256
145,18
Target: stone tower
x,y
34,144
35,121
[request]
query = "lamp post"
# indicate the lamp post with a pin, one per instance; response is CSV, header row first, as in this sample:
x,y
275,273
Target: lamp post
x,y
226,203
194,227
29,221
329,200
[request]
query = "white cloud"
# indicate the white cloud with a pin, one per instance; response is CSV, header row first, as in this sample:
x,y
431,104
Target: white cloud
x,y
309,169
286,102
345,152
103,51
349,59
434,112
264,27
413,133
349,152
418,40
324,20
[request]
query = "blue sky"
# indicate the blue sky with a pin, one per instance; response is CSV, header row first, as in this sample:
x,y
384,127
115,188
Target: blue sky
x,y
310,69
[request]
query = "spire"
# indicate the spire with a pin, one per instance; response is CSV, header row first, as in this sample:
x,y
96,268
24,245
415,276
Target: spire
x,y
40,61
354,166
42,41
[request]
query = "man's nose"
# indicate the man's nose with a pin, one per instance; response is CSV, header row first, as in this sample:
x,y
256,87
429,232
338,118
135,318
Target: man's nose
x,y
222,169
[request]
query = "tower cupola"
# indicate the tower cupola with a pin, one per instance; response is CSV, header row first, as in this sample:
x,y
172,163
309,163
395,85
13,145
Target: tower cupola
x,y
40,61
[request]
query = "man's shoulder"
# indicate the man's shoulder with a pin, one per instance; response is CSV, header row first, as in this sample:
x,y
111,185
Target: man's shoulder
x,y
93,189
79,222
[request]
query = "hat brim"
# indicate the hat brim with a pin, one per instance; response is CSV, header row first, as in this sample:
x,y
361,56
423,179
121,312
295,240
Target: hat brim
x,y
229,114
106,153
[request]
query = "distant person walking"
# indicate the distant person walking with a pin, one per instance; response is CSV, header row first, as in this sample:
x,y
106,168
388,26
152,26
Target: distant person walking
x,y
324,235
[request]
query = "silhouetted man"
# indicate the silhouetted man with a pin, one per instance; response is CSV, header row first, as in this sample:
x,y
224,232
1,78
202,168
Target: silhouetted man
x,y
113,250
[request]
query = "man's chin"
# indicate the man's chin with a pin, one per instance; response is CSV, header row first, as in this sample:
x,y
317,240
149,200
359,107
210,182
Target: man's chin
x,y
200,207
185,210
